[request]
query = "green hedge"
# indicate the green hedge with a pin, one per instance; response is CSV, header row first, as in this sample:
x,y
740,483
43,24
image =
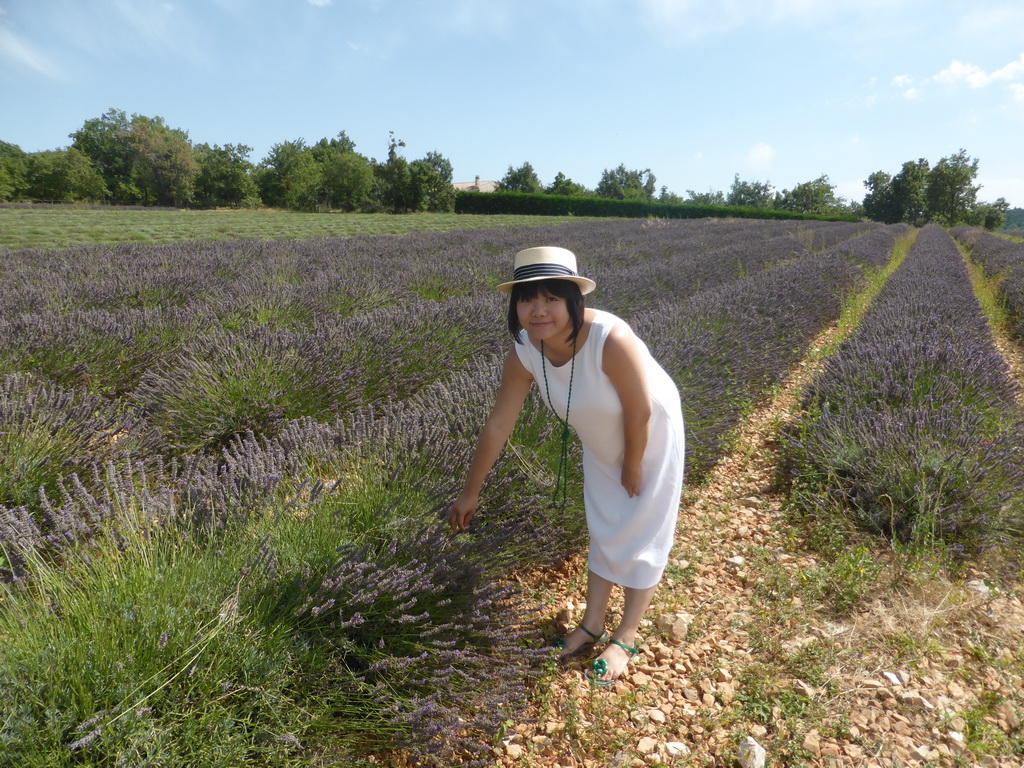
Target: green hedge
x,y
562,205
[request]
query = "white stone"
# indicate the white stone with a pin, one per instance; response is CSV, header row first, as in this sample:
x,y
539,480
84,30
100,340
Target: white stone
x,y
751,754
677,749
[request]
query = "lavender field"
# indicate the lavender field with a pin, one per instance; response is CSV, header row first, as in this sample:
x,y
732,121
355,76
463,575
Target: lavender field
x,y
224,467
915,425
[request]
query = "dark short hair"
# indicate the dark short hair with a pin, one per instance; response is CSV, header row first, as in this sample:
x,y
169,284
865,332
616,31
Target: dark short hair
x,y
563,289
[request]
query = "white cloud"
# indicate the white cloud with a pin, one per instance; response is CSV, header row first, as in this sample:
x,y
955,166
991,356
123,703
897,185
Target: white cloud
x,y
23,54
912,93
319,3
975,77
901,81
760,156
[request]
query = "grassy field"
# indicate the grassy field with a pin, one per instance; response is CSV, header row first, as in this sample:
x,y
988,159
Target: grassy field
x,y
64,226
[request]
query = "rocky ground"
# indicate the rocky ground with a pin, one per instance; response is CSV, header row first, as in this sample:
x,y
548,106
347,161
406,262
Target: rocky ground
x,y
752,651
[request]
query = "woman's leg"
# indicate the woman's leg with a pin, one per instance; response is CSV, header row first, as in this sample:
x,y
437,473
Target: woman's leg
x,y
635,605
599,592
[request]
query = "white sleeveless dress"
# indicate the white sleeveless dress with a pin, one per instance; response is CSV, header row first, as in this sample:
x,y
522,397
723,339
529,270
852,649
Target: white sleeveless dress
x,y
630,538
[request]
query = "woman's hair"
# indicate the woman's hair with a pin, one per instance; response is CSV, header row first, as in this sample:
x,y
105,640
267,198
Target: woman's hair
x,y
563,289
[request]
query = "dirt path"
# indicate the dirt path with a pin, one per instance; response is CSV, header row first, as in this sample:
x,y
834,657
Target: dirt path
x,y
739,645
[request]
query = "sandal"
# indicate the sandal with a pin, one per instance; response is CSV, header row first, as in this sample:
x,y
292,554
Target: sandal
x,y
559,643
600,667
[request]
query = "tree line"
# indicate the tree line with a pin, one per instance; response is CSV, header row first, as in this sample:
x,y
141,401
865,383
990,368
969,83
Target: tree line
x,y
141,160
919,194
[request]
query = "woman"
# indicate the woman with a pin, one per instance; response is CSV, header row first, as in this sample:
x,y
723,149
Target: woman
x,y
596,374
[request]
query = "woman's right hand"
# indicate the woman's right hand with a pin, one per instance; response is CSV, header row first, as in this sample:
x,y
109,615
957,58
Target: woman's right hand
x,y
462,511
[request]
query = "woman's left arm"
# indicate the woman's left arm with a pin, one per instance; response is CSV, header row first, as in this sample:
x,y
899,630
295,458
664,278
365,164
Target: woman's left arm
x,y
623,364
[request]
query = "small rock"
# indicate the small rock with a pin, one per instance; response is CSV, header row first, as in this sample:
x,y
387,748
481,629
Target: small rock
x,y
751,754
892,677
805,690
646,745
513,750
812,743
675,625
677,749
1009,715
916,699
736,562
656,716
922,753
750,502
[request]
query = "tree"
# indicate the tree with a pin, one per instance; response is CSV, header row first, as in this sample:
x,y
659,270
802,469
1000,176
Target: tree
x,y
12,171
951,193
393,189
521,179
164,167
1014,219
622,184
991,216
669,198
63,175
432,183
814,197
563,185
274,174
225,176
305,184
909,188
347,180
878,202
710,197
105,141
753,194
324,150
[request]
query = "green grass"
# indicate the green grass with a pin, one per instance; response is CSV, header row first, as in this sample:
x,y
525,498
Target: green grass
x,y
62,227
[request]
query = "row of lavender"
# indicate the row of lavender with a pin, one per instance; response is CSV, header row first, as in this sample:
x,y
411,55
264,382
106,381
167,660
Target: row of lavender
x,y
415,610
1003,260
242,338
912,429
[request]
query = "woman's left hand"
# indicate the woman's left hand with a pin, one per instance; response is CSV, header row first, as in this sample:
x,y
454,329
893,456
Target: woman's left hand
x,y
631,481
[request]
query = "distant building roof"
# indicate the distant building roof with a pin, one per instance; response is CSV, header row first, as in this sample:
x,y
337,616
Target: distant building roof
x,y
475,186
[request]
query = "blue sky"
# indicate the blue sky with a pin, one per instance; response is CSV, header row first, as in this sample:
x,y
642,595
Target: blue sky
x,y
780,91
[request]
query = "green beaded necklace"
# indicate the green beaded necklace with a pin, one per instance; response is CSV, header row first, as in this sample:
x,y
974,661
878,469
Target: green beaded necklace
x,y
562,481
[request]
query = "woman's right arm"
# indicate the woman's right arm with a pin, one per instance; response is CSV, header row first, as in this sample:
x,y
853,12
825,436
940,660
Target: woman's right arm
x,y
515,385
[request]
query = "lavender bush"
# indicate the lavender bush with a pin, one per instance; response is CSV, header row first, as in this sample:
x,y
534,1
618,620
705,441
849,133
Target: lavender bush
x,y
912,428
1002,260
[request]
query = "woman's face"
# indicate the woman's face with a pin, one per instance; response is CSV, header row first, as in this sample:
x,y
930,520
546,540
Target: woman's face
x,y
545,317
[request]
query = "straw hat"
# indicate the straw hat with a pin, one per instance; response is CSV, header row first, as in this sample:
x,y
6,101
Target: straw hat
x,y
546,262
